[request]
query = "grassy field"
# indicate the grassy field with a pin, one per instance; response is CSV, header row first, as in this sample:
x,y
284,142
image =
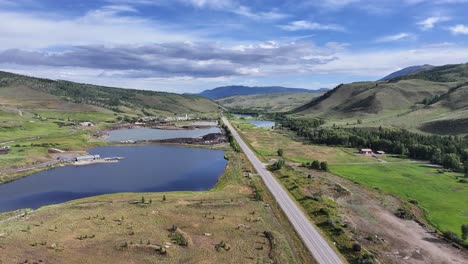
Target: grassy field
x,y
442,197
30,136
78,116
119,228
266,142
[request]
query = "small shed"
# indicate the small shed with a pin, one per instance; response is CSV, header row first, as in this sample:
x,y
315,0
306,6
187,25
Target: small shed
x,y
366,152
87,158
380,152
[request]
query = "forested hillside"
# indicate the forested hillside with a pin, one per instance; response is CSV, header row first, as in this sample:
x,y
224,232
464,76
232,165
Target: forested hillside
x,y
25,92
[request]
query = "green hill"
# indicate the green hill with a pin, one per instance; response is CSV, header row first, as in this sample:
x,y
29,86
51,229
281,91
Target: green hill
x,y
434,100
28,93
275,102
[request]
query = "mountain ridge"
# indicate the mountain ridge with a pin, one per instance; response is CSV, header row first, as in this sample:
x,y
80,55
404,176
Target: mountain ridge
x,y
231,90
27,92
433,100
406,71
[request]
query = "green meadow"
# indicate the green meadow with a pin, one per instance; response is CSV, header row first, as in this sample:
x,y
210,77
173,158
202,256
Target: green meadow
x,y
439,194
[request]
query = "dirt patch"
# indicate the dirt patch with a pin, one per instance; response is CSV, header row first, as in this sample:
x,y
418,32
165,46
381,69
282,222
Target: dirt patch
x,y
392,239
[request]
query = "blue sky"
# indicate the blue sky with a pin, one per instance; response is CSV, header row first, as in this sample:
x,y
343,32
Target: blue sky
x,y
192,45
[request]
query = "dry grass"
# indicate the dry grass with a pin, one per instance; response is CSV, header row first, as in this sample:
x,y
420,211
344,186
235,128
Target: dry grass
x,y
113,229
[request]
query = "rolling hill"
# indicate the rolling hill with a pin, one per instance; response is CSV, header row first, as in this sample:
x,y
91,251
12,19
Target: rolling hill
x,y
28,93
406,71
274,102
434,100
226,91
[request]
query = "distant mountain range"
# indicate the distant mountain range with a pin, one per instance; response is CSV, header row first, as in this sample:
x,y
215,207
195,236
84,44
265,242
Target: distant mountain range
x,y
225,91
407,71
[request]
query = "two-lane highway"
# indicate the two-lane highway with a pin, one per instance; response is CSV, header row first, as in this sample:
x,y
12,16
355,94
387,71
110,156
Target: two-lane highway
x,y
317,245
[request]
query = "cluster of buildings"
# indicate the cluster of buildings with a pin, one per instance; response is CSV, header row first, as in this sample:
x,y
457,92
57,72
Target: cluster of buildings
x,y
369,152
165,118
5,150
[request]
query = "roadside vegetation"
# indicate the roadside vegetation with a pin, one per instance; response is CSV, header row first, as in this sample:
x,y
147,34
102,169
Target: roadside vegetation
x,y
424,187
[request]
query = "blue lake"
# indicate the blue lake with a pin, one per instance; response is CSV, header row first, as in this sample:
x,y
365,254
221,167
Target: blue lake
x,y
144,169
144,133
262,123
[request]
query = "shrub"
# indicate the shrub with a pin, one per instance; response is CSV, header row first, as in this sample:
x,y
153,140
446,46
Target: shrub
x,y
366,259
315,165
280,152
452,237
324,166
464,229
403,214
357,247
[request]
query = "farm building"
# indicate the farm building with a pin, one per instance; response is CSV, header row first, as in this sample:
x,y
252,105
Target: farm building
x,y
366,152
87,158
87,124
380,152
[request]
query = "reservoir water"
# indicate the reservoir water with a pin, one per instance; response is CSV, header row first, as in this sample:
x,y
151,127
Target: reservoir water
x,y
144,169
144,133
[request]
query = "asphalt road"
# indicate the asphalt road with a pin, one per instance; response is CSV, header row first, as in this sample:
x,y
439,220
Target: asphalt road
x,y
317,245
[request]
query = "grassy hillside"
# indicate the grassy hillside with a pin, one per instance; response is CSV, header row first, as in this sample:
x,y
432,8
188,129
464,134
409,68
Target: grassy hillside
x,y
22,92
406,71
433,100
278,102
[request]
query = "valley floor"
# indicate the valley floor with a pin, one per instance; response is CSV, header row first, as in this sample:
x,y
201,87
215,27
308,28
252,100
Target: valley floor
x,y
223,225
359,205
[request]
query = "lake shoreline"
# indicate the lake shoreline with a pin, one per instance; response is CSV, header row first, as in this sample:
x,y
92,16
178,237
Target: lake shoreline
x,y
156,173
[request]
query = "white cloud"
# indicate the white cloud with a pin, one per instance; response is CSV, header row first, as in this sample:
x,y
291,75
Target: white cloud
x,y
108,25
380,63
459,29
334,4
430,22
247,12
229,6
306,25
291,63
396,37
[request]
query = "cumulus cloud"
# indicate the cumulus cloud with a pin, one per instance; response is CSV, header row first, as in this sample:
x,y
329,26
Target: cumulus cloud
x,y
380,63
459,29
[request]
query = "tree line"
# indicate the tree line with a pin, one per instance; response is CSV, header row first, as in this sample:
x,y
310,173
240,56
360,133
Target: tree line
x,y
449,151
